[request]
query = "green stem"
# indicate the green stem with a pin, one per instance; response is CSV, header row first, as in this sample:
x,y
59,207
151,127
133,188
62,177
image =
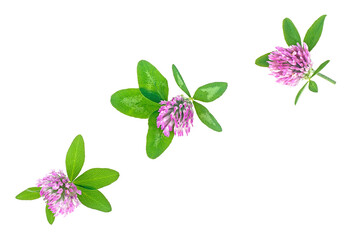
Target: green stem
x,y
326,78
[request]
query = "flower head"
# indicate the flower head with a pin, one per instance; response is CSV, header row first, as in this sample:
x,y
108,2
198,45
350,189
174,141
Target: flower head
x,y
59,194
176,115
290,65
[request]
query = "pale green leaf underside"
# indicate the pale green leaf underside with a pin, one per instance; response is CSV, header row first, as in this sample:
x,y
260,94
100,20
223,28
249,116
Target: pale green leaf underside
x,y
326,78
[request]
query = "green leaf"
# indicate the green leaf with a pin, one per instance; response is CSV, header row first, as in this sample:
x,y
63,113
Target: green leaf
x,y
132,103
94,199
320,67
314,33
49,215
29,194
206,117
96,178
299,93
313,86
210,92
263,60
179,80
152,84
75,157
326,78
156,141
291,35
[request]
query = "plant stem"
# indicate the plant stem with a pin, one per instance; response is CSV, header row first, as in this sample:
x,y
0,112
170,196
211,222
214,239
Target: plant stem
x,y
326,78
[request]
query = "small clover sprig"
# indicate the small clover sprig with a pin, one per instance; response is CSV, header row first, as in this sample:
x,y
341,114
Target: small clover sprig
x,y
290,65
166,118
63,194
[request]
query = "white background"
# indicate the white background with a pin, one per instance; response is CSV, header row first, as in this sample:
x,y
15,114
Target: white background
x,y
277,171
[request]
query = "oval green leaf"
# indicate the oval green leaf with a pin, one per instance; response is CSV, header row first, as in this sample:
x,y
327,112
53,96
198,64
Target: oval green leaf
x,y
263,60
314,33
156,141
75,157
94,199
291,35
206,117
320,68
210,92
49,215
179,80
299,93
132,103
152,84
29,194
313,86
96,178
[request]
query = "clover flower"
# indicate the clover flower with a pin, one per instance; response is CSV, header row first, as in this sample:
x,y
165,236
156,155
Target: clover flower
x,y
166,118
290,65
62,194
176,115
59,194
